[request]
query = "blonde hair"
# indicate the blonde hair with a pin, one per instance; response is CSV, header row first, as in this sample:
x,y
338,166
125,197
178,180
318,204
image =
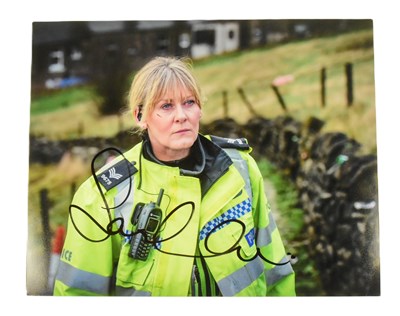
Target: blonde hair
x,y
159,75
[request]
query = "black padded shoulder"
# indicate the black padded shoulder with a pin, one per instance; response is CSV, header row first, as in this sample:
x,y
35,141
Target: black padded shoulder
x,y
237,143
116,173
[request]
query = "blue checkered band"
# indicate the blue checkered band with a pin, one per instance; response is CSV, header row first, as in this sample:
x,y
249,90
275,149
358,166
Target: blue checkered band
x,y
234,213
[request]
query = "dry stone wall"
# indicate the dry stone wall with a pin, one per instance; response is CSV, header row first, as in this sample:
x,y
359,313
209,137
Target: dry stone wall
x,y
337,189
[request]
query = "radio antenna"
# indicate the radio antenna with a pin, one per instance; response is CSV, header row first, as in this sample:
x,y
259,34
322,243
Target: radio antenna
x,y
160,195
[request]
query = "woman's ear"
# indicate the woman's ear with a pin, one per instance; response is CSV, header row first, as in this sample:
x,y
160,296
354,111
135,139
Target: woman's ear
x,y
138,117
138,114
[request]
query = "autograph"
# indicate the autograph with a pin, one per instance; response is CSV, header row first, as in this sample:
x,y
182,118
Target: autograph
x,y
115,226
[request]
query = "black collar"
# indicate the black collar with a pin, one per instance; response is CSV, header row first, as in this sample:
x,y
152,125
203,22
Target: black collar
x,y
206,160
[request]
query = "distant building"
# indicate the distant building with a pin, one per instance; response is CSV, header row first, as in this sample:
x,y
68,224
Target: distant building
x,y
68,53
214,39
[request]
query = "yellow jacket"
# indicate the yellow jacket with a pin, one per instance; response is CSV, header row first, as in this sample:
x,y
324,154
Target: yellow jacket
x,y
219,216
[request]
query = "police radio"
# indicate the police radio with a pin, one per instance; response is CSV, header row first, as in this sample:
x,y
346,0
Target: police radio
x,y
147,219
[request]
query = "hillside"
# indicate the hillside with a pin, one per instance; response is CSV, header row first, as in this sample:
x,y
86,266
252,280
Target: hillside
x,y
253,72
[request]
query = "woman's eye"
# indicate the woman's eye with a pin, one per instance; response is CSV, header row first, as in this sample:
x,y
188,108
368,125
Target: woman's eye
x,y
190,102
166,106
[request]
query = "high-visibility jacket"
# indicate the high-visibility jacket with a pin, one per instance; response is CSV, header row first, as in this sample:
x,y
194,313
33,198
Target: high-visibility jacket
x,y
220,215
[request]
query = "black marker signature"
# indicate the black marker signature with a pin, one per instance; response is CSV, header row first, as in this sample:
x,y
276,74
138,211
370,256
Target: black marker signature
x,y
156,241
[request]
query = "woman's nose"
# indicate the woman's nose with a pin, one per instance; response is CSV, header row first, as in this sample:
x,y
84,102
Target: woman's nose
x,y
180,114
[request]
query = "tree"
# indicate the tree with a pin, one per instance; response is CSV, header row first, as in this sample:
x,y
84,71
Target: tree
x,y
112,68
111,86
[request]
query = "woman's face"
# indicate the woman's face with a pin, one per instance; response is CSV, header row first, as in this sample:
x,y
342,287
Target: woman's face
x,y
173,124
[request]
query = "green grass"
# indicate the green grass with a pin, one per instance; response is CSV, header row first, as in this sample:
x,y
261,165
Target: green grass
x,y
289,218
62,99
285,200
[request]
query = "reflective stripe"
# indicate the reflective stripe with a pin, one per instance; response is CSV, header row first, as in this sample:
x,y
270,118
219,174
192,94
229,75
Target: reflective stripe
x,y
278,272
233,213
83,280
242,278
126,208
203,282
241,166
123,291
264,234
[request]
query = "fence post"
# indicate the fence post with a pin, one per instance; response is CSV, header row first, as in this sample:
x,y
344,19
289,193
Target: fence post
x,y
225,103
249,106
349,83
323,87
46,238
280,98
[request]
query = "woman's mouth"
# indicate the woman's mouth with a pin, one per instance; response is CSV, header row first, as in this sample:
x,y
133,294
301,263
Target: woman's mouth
x,y
182,131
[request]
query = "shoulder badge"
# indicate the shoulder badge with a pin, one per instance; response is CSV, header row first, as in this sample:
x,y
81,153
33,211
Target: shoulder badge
x,y
238,143
116,174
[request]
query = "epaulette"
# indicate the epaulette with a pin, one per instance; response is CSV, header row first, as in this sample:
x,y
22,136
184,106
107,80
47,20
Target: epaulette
x,y
237,143
116,174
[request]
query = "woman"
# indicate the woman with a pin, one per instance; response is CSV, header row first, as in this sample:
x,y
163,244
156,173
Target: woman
x,y
180,214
